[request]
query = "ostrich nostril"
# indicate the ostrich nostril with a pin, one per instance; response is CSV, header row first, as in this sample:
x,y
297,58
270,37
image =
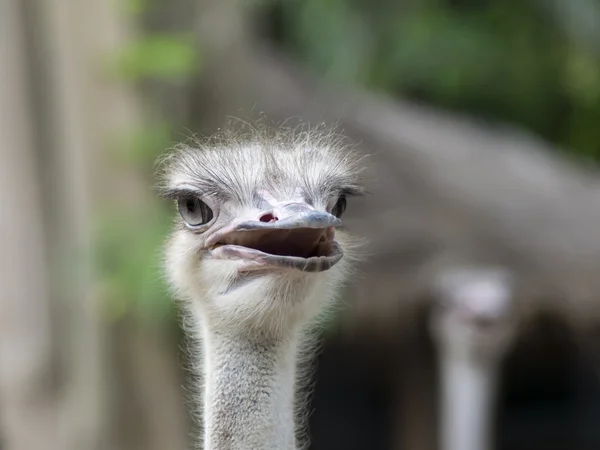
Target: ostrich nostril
x,y
268,218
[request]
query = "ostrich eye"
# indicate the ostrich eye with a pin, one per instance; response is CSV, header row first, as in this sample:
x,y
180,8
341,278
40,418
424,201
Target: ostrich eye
x,y
194,211
339,207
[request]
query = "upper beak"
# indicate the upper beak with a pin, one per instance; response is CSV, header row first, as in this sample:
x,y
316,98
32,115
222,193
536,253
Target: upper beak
x,y
291,216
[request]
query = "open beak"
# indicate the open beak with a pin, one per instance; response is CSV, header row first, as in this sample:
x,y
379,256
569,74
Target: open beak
x,y
294,236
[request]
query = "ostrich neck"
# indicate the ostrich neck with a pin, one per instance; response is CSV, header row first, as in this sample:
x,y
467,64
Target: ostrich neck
x,y
249,390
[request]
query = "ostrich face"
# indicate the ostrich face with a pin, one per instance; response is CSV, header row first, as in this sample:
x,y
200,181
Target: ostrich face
x,y
262,215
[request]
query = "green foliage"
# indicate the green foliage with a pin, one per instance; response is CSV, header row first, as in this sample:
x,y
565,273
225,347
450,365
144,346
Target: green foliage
x,y
511,60
129,241
133,7
141,146
129,257
165,57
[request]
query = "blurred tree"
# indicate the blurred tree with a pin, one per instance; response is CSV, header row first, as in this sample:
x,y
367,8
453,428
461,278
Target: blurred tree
x,y
27,396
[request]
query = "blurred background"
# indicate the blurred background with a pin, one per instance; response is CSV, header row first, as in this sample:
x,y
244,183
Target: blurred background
x,y
482,122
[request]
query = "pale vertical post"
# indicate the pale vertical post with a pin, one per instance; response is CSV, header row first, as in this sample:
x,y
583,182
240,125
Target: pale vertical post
x,y
473,324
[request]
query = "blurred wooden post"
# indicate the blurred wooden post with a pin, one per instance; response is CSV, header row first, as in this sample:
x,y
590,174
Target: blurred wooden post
x,y
27,417
473,325
67,120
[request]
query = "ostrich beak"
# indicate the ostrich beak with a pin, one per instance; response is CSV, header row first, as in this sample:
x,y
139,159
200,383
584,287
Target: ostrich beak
x,y
294,235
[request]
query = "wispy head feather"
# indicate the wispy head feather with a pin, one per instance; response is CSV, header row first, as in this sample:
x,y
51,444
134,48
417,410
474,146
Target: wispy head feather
x,y
238,160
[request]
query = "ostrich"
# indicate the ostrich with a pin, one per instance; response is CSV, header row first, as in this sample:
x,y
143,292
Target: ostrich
x,y
257,257
474,324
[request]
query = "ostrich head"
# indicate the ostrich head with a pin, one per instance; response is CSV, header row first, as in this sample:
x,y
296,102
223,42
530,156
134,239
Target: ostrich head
x,y
257,244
